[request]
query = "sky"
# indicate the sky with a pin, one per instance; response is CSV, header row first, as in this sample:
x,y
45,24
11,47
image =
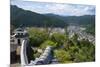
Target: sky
x,y
63,9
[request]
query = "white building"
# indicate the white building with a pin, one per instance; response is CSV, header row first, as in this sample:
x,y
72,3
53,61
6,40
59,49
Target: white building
x,y
16,39
19,35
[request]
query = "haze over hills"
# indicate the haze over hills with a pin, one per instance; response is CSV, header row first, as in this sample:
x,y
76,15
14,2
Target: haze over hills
x,y
28,18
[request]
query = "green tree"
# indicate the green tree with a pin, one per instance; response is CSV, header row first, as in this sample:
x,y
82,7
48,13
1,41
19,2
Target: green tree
x,y
48,43
83,51
37,36
62,56
67,44
58,38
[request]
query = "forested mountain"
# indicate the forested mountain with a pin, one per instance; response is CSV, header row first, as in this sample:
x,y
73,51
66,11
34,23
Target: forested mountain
x,y
20,16
81,20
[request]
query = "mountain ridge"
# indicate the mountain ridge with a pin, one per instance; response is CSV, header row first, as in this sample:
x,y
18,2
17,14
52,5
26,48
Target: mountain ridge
x,y
28,18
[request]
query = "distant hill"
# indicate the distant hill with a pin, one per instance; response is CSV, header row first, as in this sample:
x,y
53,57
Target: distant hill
x,y
88,21
81,20
20,16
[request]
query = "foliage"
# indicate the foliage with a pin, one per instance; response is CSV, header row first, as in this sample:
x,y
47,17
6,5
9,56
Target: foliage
x,y
82,51
58,38
48,43
73,50
62,55
37,36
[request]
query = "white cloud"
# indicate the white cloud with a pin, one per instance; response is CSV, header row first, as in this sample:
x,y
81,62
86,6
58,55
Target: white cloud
x,y
55,8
